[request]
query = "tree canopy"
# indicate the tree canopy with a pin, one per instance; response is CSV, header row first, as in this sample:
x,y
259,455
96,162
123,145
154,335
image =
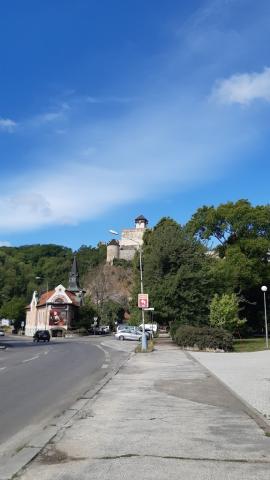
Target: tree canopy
x,y
175,273
34,267
239,235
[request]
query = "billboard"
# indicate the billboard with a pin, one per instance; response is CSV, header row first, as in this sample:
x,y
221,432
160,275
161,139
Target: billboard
x,y
143,301
58,317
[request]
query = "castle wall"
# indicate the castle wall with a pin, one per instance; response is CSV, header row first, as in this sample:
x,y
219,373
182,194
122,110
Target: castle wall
x,y
127,253
130,234
131,240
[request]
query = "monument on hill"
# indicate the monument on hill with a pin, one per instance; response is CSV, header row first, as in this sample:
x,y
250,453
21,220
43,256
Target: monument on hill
x,y
130,241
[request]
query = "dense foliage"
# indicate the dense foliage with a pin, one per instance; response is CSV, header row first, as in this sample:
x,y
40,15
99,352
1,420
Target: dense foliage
x,y
224,312
209,271
202,338
240,235
20,267
176,274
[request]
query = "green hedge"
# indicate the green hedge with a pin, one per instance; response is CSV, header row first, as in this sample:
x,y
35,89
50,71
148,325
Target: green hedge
x,y
189,336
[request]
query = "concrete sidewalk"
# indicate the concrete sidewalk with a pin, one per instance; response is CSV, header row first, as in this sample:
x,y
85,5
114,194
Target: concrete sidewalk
x,y
163,416
246,373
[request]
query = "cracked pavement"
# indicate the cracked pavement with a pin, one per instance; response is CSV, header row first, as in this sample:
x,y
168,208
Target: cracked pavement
x,y
161,416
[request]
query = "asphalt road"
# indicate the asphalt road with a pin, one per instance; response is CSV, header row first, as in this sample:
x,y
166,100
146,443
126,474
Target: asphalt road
x,y
40,380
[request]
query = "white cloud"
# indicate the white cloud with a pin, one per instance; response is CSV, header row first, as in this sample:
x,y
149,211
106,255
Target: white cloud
x,y
110,99
174,142
7,125
243,88
4,243
150,152
53,116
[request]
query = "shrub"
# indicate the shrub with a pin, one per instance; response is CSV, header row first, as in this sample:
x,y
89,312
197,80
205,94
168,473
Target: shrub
x,y
202,338
224,312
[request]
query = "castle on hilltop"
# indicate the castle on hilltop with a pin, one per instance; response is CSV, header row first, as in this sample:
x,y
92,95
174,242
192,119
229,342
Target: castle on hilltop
x,y
131,240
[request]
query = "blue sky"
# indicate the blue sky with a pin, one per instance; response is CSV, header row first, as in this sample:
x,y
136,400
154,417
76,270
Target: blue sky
x,y
111,109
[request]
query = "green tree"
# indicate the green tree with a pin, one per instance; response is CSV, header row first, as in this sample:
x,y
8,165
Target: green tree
x,y
111,313
224,312
240,234
14,309
175,271
87,313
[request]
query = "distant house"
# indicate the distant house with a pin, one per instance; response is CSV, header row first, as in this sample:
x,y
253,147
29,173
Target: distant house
x,y
56,310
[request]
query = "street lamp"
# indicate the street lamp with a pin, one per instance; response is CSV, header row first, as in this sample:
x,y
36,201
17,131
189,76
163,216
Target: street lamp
x,y
144,338
43,278
264,290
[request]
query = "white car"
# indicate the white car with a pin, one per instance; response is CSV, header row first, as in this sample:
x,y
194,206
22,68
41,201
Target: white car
x,y
128,334
2,333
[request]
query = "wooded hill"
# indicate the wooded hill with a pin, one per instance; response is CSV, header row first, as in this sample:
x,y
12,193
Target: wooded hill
x,y
20,267
209,270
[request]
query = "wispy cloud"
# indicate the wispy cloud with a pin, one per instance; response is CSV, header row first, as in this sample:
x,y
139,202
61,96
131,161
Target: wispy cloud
x,y
172,139
7,125
4,243
173,145
243,88
110,99
52,117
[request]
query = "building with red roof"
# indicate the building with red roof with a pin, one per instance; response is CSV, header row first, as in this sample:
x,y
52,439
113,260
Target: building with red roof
x,y
56,310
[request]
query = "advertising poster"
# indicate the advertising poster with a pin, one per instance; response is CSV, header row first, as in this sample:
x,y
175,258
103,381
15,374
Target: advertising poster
x,y
58,317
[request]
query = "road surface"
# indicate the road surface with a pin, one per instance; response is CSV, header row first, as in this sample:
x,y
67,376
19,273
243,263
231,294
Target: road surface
x,y
38,381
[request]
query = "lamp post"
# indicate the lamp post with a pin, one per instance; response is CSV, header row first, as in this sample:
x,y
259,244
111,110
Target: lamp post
x,y
264,290
144,338
43,278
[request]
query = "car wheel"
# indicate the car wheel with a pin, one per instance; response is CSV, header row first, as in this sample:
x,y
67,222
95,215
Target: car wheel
x,y
121,337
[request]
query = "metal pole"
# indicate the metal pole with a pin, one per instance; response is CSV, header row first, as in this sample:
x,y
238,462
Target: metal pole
x,y
265,319
144,339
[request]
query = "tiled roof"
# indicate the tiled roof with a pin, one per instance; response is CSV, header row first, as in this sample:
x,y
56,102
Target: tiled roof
x,y
45,297
141,217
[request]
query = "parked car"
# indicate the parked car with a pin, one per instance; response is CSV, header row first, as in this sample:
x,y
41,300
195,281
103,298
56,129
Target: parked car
x,y
2,333
128,334
103,330
99,330
133,328
42,336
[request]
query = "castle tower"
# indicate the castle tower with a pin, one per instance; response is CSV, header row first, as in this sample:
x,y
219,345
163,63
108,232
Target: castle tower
x,y
112,251
141,222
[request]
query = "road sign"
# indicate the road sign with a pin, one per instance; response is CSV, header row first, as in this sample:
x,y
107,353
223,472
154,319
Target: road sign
x,y
143,300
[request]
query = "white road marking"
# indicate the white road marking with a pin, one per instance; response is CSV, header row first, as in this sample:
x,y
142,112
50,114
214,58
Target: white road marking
x,y
3,368
107,355
29,359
